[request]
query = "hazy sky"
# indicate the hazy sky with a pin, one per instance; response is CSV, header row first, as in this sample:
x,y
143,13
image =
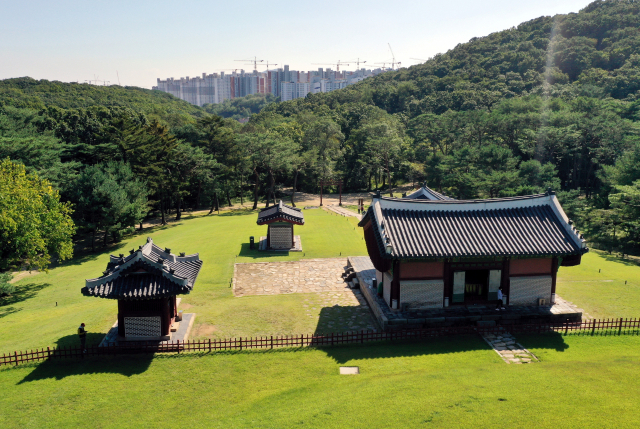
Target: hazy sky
x,y
72,40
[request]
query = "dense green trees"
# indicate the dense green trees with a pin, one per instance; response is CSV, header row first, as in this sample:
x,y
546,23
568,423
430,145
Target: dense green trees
x,y
241,107
552,103
34,224
108,197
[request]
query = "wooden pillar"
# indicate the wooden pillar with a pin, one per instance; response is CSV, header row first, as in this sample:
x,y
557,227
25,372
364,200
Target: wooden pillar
x,y
165,316
554,274
340,188
120,318
293,241
268,236
448,283
395,282
320,194
505,283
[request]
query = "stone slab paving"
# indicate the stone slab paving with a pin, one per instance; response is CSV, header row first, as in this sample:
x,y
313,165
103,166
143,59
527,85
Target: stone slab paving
x,y
564,306
328,299
273,278
508,349
344,212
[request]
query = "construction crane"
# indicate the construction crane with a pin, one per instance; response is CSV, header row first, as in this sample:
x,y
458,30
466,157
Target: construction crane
x,y
255,62
267,65
338,64
393,58
383,65
418,59
358,63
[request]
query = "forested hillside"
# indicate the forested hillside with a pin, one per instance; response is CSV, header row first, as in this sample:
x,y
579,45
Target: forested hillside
x,y
40,94
241,107
554,102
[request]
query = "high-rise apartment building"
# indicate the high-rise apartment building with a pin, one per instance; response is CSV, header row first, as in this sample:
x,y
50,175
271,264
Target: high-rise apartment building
x,y
283,82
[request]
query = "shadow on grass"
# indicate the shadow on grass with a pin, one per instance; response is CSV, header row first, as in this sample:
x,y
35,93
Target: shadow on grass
x,y
238,212
60,369
259,254
406,348
551,340
22,293
128,365
5,311
343,318
614,258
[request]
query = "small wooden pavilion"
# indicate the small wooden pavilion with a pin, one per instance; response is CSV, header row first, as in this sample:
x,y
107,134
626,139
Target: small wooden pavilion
x,y
432,251
145,284
280,219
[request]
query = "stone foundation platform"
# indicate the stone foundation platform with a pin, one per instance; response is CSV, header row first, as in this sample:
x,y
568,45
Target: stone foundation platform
x,y
456,315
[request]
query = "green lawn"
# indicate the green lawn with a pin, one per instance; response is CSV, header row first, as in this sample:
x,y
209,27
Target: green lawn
x,y
602,294
31,318
581,382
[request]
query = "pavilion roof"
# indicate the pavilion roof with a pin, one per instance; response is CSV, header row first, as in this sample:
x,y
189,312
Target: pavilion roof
x,y
533,225
280,213
147,273
426,193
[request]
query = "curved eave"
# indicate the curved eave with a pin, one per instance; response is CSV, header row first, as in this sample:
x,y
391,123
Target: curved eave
x,y
280,219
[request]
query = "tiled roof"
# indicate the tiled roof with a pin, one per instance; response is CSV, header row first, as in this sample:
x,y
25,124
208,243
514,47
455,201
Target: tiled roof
x,y
281,212
520,226
147,273
426,193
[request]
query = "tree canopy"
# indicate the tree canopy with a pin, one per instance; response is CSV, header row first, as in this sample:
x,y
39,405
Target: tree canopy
x,y
34,224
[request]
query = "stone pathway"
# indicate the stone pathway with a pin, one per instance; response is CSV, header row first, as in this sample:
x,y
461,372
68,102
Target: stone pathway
x,y
342,211
508,349
273,278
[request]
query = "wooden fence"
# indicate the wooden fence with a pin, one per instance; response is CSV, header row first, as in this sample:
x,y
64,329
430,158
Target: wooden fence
x,y
608,325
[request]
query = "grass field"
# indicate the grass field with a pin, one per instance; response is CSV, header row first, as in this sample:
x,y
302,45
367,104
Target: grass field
x,y
598,285
582,382
31,318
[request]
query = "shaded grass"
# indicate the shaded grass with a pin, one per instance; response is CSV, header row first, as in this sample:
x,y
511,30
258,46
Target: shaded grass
x,y
602,294
443,382
32,319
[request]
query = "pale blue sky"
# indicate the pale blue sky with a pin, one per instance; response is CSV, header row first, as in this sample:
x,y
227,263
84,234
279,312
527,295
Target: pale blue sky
x,y
72,40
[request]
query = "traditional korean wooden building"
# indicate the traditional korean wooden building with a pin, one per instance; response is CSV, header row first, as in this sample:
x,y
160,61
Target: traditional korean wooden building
x,y
431,251
280,218
145,283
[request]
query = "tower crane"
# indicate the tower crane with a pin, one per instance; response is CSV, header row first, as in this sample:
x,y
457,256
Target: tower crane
x,y
418,59
255,62
358,63
267,65
393,58
338,64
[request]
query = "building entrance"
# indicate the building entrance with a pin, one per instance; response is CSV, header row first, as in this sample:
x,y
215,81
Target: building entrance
x,y
476,286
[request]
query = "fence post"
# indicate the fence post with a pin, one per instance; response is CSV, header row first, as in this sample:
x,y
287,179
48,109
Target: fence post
x,y
593,327
566,327
620,327
209,344
240,343
178,346
272,342
16,355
